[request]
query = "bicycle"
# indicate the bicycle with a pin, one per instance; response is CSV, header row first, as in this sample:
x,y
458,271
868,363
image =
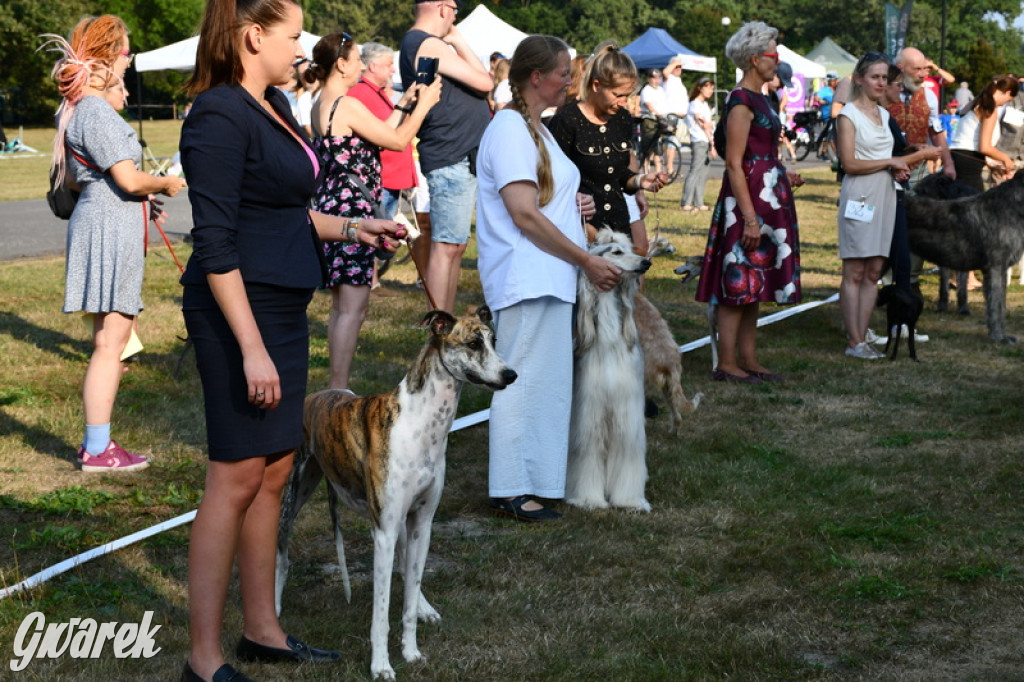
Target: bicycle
x,y
660,136
810,132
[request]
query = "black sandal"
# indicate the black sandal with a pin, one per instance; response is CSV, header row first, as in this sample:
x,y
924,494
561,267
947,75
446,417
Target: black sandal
x,y
514,509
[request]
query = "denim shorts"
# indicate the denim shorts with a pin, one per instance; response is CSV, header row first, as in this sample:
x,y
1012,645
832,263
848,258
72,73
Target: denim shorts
x,y
452,199
389,201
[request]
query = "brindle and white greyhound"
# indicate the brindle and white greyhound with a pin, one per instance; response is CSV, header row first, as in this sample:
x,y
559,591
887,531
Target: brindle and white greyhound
x,y
384,456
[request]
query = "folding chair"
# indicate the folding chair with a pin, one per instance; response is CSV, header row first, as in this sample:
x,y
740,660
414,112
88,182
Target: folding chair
x,y
158,165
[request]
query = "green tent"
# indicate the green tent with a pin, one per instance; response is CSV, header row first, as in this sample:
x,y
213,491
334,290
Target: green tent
x,y
832,57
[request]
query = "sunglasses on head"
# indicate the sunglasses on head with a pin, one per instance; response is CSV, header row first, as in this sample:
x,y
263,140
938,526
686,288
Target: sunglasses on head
x,y
345,39
872,57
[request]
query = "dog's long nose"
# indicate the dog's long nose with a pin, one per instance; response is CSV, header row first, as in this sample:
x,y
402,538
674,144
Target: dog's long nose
x,y
508,376
644,266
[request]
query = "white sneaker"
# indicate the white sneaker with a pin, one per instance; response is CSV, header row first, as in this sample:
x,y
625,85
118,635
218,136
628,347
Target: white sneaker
x,y
904,334
864,351
871,336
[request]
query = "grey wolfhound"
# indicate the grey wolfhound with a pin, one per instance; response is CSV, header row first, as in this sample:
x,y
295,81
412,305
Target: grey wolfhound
x,y
983,232
939,186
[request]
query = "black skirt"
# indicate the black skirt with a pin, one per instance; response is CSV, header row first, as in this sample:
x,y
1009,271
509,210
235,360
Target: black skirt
x,y
235,428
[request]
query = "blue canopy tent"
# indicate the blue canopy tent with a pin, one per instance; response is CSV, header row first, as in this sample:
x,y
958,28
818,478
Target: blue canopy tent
x,y
655,48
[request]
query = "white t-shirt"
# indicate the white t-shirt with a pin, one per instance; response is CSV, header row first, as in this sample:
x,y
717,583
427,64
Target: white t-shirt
x,y
698,109
677,100
305,108
968,132
502,93
513,269
656,97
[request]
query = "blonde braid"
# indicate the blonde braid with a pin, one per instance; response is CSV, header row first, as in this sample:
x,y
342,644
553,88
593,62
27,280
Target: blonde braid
x,y
545,180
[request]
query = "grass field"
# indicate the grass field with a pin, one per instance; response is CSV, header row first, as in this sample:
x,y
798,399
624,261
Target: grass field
x,y
25,176
862,521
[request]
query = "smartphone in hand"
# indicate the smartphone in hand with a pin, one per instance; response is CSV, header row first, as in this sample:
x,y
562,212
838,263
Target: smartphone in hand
x,y
426,70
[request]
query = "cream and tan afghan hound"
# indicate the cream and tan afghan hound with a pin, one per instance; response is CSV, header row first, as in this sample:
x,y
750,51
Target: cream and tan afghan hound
x,y
607,441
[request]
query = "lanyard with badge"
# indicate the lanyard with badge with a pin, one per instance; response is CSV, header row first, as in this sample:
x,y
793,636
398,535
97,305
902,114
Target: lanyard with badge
x,y
859,210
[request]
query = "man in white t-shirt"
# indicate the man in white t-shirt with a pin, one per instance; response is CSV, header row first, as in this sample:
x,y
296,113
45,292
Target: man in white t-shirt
x,y
653,106
677,104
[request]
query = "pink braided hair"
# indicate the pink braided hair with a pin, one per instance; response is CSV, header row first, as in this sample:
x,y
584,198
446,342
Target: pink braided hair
x,y
76,68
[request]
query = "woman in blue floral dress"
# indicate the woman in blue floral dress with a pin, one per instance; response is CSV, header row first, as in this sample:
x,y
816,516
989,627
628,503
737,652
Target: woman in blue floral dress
x,y
753,252
347,136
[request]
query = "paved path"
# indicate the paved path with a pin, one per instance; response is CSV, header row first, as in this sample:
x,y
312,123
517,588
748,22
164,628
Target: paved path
x,y
29,230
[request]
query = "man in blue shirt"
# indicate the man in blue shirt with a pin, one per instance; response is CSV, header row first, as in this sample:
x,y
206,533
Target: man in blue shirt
x,y
823,97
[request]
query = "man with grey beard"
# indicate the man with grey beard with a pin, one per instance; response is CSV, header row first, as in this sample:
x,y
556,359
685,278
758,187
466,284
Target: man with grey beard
x,y
917,113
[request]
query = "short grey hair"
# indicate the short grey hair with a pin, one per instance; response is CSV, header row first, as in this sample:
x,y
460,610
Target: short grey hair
x,y
372,51
751,40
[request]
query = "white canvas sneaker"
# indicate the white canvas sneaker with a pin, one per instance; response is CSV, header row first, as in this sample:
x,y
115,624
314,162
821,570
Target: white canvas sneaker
x,y
864,351
904,334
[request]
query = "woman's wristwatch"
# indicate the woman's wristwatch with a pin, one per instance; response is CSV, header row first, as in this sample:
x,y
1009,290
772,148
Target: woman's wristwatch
x,y
351,229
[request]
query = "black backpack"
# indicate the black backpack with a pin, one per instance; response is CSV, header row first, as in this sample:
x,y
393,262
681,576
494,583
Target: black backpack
x,y
61,198
719,135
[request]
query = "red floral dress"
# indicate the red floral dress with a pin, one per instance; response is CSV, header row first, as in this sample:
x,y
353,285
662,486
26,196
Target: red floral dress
x,y
770,272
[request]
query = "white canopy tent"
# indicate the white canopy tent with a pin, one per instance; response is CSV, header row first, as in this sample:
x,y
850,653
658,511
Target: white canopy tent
x,y
181,56
486,33
801,65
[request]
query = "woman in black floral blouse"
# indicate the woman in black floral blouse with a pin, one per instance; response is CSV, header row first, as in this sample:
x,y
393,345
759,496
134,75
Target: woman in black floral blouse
x,y
596,134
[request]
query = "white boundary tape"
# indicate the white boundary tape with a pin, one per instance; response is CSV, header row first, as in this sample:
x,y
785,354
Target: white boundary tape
x,y
459,424
68,564
767,319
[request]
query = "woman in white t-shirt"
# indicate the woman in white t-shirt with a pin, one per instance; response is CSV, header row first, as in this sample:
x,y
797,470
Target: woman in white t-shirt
x,y
531,243
977,134
501,95
698,120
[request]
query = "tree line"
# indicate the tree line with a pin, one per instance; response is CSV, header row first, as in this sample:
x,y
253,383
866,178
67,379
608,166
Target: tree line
x,y
980,39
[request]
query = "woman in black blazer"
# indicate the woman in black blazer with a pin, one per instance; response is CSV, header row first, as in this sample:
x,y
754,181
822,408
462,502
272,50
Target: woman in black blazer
x,y
253,271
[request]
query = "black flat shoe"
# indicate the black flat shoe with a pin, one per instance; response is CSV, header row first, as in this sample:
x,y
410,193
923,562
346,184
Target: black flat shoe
x,y
297,652
225,673
719,375
770,377
514,509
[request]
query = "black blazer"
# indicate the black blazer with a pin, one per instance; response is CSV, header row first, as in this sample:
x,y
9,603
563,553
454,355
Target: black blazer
x,y
249,183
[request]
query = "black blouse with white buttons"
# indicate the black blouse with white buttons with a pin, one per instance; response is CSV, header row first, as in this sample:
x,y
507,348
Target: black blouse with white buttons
x,y
601,152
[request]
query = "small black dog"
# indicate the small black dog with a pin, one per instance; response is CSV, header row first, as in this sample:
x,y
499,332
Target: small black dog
x,y
902,307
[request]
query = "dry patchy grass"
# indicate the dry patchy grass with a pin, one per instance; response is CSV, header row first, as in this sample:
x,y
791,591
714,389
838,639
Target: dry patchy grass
x,y
861,521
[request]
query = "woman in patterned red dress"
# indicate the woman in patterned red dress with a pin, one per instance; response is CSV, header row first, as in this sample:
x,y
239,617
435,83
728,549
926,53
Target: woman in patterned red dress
x,y
753,253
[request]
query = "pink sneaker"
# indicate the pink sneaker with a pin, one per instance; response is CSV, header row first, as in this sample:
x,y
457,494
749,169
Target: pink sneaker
x,y
114,458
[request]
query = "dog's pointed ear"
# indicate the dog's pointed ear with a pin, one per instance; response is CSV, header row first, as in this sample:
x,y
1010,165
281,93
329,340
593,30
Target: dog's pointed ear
x,y
484,313
439,322
604,235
